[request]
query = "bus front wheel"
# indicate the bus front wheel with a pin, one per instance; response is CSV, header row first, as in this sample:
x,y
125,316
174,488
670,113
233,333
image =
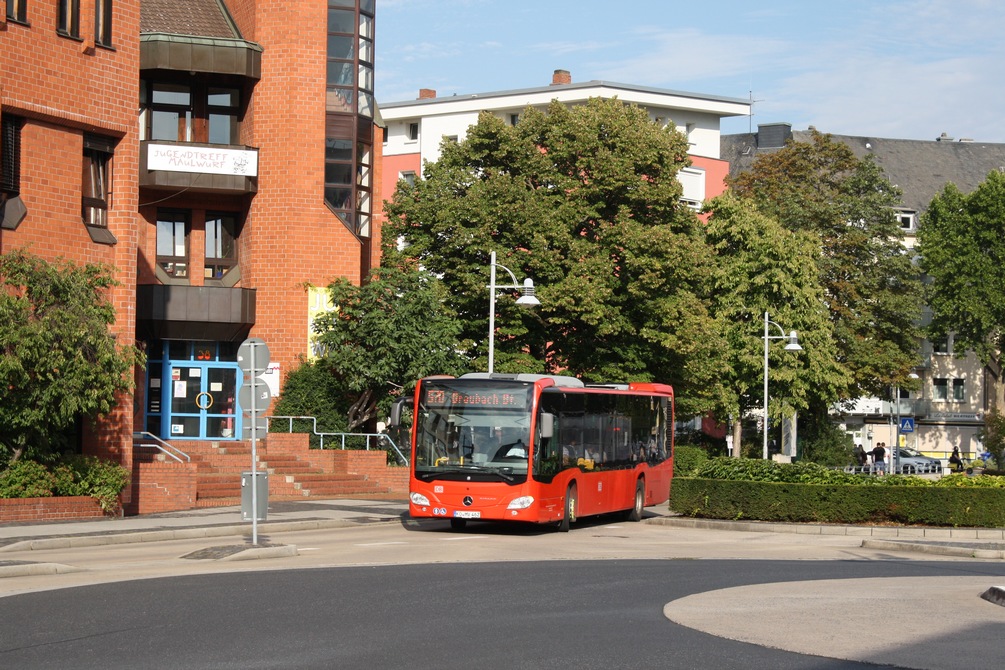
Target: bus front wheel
x,y
635,513
569,509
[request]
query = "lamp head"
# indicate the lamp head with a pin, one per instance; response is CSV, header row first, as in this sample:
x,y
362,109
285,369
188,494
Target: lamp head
x,y
793,344
527,297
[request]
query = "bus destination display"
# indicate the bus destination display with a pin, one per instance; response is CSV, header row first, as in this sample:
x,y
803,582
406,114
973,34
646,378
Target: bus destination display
x,y
476,397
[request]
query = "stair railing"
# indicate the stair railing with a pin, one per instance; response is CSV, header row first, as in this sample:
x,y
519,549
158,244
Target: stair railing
x,y
165,448
341,437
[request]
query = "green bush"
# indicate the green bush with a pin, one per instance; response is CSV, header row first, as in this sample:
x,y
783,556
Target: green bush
x,y
26,479
726,488
100,479
686,459
970,506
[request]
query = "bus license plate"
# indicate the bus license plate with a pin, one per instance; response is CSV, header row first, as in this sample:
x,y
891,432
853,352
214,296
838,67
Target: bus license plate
x,y
466,514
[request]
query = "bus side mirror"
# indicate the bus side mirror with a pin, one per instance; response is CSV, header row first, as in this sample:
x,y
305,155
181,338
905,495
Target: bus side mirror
x,y
396,410
546,424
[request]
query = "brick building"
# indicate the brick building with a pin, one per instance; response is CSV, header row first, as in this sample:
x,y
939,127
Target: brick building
x,y
231,148
69,151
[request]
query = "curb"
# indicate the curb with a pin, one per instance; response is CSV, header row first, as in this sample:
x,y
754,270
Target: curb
x,y
940,549
31,569
130,537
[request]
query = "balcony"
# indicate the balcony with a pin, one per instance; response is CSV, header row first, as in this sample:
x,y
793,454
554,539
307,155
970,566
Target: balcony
x,y
194,312
198,168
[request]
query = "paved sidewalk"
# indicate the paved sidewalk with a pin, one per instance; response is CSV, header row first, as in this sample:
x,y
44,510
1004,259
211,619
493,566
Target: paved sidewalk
x,y
287,516
205,522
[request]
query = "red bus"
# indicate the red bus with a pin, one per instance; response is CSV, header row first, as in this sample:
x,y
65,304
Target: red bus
x,y
537,448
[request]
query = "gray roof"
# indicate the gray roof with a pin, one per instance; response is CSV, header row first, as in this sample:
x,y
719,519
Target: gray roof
x,y
920,168
201,18
564,87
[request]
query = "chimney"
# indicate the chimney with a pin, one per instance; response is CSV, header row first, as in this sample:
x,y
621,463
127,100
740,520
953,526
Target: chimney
x,y
561,77
427,93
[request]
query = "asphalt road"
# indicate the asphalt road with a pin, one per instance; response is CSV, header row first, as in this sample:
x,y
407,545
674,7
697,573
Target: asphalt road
x,y
407,595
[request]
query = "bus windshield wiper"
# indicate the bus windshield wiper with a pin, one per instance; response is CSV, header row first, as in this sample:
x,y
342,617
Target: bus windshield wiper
x,y
457,469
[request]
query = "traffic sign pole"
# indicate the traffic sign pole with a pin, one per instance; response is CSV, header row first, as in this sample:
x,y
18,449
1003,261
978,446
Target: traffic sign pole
x,y
253,359
254,455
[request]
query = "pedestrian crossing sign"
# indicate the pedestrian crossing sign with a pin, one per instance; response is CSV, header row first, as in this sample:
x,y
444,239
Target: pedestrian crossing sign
x,y
907,424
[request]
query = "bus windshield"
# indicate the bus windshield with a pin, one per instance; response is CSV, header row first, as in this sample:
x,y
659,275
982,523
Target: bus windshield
x,y
471,430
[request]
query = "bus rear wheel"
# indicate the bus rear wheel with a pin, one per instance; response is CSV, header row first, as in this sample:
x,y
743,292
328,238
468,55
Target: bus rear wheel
x,y
635,513
569,509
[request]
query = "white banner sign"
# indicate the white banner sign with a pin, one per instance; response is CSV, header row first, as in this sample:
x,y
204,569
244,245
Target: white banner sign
x,y
179,158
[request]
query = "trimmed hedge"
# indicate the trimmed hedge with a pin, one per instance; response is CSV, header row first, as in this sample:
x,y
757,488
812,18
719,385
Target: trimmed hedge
x,y
959,505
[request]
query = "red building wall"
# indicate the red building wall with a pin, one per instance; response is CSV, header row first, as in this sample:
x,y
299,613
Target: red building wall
x,y
63,88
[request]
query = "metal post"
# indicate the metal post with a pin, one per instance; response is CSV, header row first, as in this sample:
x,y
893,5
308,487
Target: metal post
x,y
766,338
254,449
492,310
895,453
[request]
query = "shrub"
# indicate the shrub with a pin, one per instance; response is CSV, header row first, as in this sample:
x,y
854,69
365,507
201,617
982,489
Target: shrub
x,y
26,479
686,459
73,476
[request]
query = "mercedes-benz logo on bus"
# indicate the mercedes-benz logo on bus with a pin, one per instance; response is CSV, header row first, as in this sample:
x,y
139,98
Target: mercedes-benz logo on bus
x,y
468,500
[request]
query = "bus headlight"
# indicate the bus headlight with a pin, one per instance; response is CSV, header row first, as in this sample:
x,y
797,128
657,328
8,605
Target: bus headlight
x,y
418,499
523,502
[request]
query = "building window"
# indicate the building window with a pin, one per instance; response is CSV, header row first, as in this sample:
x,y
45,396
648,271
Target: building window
x,y
941,346
169,107
170,112
223,109
172,243
95,187
69,18
514,119
103,22
413,131
10,155
12,209
17,10
221,244
907,219
349,110
941,389
407,177
959,391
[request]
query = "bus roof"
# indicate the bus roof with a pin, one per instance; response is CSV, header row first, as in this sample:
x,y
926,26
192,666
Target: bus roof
x,y
559,380
572,382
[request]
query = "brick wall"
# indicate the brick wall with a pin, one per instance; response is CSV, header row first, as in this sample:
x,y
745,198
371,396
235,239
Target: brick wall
x,y
162,487
49,509
63,88
373,464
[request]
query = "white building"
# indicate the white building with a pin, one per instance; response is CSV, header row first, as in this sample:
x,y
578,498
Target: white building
x,y
415,128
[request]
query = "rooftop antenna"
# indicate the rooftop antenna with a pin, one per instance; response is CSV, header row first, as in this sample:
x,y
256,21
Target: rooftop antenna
x,y
750,116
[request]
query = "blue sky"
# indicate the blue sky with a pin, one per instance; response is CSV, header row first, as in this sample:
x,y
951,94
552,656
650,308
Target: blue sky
x,y
886,68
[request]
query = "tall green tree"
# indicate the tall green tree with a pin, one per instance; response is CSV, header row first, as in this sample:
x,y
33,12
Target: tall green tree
x,y
59,361
961,240
871,289
585,201
381,337
763,267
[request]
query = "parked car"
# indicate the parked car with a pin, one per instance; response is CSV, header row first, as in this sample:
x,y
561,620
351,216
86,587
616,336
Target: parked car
x,y
914,463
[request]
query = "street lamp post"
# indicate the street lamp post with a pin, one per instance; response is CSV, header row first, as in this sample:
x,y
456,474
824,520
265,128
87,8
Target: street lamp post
x,y
527,298
793,345
895,450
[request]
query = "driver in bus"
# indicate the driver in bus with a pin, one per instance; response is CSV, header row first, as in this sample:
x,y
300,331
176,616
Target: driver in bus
x,y
570,452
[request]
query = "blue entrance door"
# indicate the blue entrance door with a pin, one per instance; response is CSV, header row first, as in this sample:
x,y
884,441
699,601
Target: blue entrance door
x,y
203,401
